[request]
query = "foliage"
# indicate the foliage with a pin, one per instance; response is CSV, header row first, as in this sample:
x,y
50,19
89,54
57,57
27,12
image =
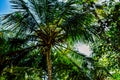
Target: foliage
x,y
106,48
36,40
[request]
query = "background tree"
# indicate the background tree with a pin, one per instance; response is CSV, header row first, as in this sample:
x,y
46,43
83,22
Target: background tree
x,y
106,47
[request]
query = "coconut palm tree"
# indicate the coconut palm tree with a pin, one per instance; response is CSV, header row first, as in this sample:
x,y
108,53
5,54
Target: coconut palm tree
x,y
46,24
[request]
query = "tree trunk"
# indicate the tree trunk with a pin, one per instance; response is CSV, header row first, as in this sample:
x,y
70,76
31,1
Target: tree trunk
x,y
49,64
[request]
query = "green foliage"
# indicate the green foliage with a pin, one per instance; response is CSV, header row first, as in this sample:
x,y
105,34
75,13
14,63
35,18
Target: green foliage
x,y
39,35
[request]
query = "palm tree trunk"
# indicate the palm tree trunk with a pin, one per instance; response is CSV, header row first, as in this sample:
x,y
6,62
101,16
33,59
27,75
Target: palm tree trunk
x,y
49,63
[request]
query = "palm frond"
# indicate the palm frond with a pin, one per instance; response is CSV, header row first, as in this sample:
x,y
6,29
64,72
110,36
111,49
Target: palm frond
x,y
19,4
64,63
19,22
76,27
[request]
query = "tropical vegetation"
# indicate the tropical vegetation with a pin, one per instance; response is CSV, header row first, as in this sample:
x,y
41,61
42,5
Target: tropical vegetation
x,y
37,40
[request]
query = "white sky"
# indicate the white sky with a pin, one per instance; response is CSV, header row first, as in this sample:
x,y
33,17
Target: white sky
x,y
83,48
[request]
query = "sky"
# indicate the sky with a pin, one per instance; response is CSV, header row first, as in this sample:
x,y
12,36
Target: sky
x,y
83,49
5,7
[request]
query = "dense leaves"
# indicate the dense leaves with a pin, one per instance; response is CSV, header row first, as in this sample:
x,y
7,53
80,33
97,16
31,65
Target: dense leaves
x,y
37,39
